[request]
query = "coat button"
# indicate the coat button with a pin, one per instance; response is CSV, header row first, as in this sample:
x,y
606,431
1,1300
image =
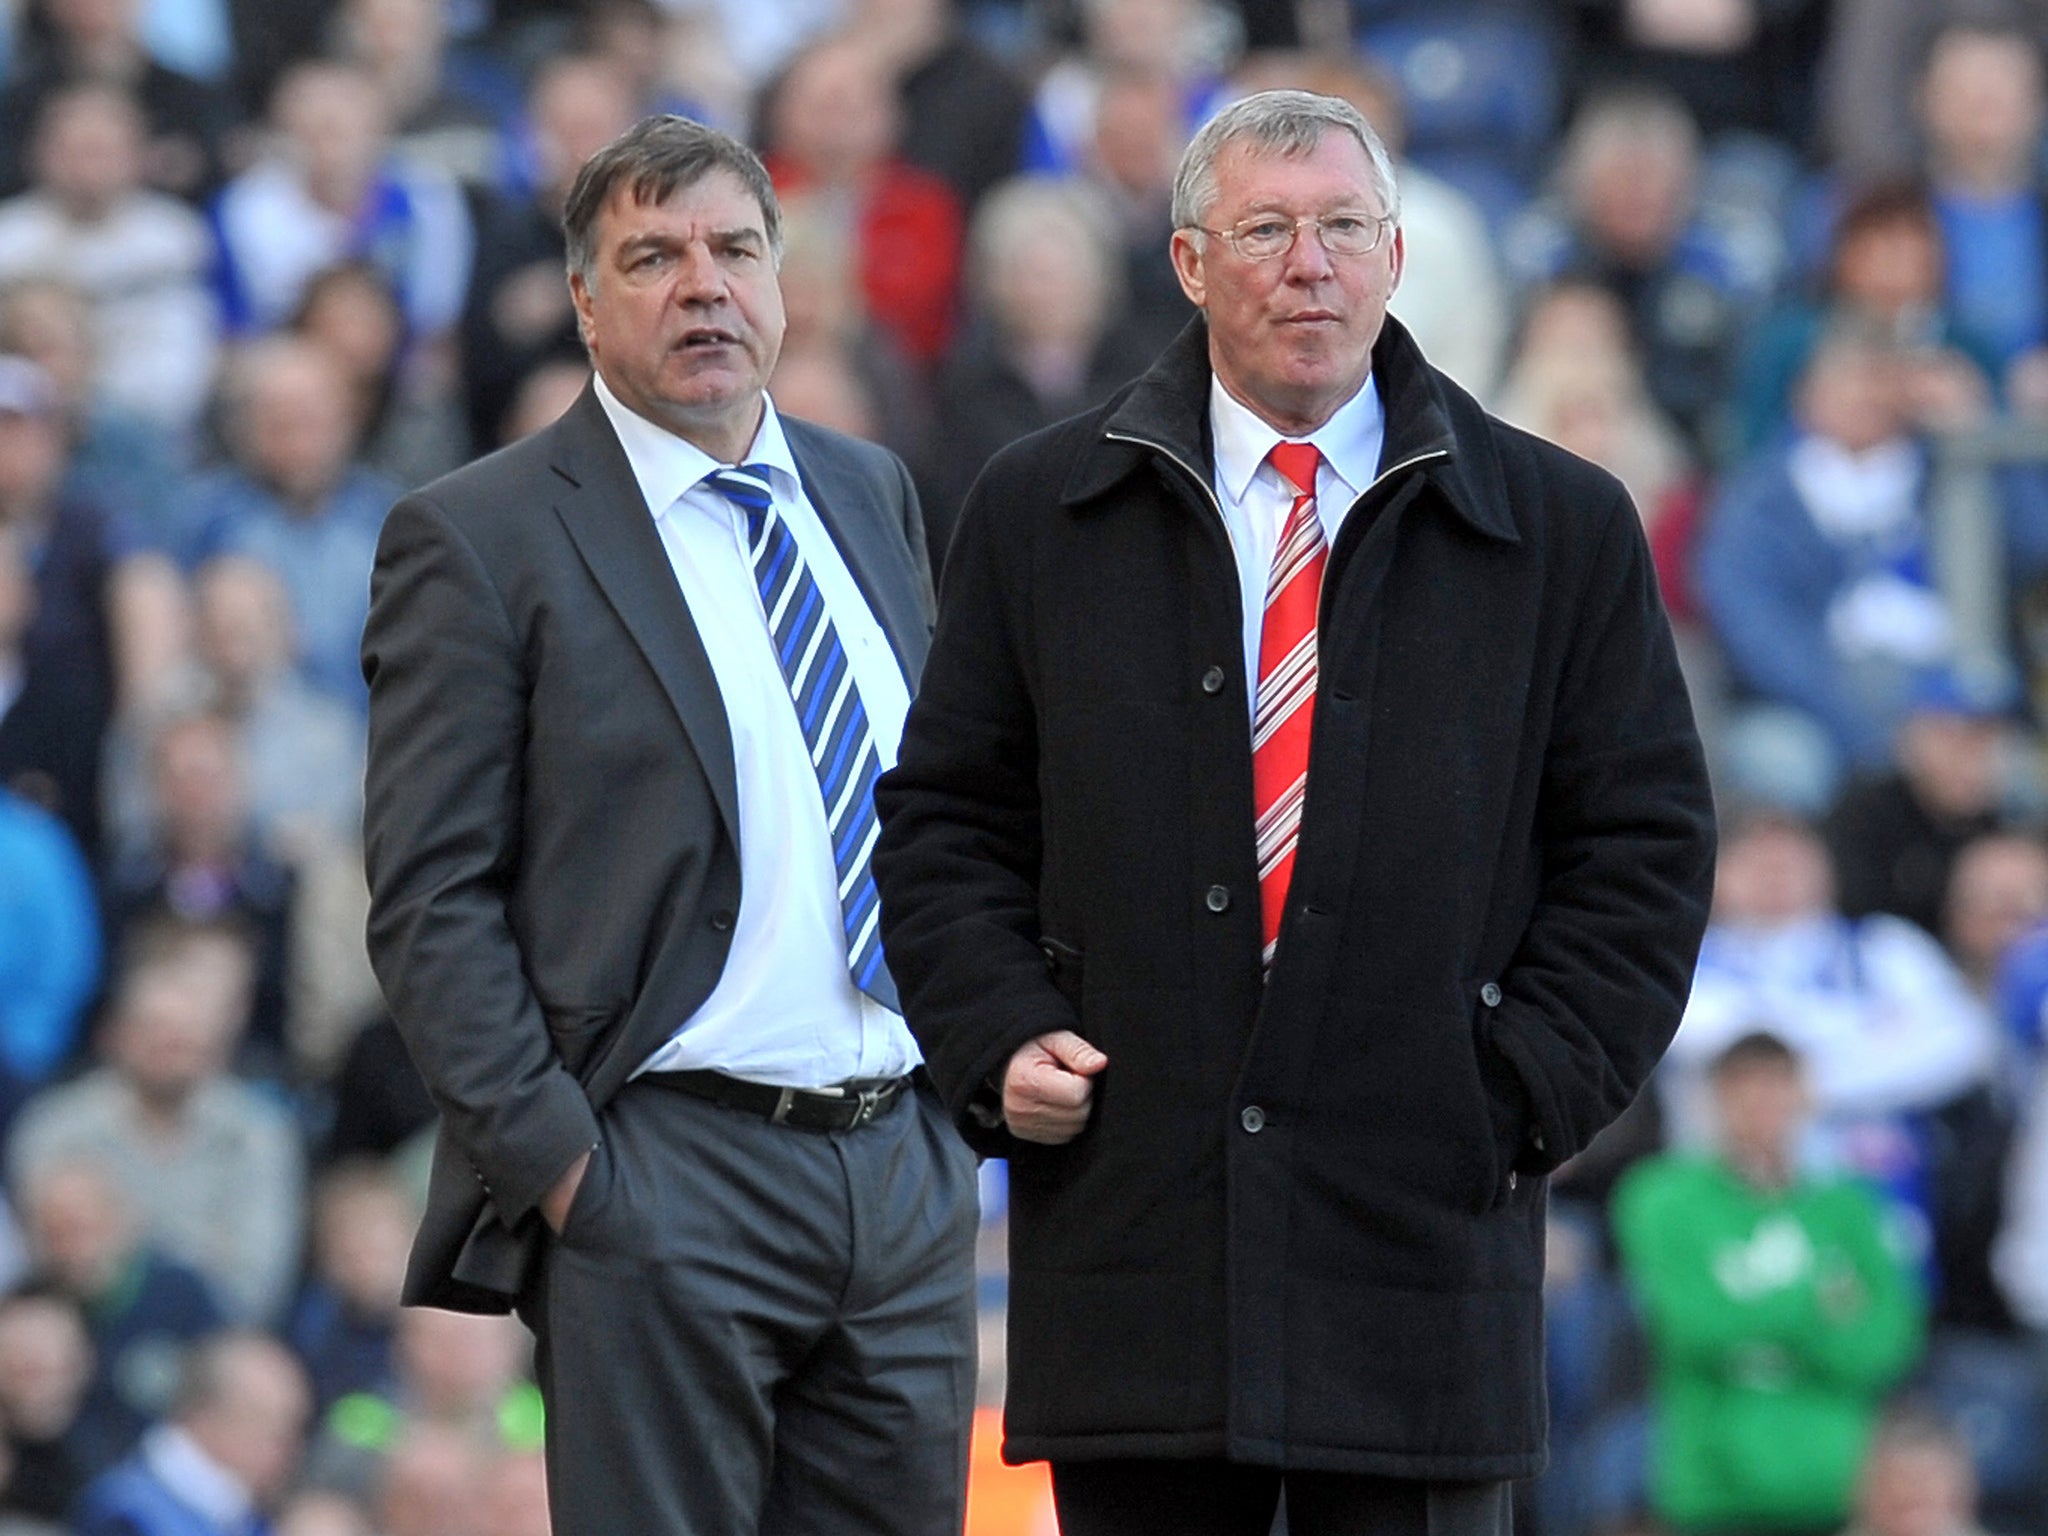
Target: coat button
x,y
1213,680
1253,1119
1490,995
1513,1180
1218,899
721,921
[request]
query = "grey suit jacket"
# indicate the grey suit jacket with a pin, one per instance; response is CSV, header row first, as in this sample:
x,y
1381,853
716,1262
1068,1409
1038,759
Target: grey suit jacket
x,y
550,811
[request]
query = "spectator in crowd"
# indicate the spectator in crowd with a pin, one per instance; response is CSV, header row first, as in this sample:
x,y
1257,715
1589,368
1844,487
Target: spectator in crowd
x,y
1045,343
516,1496
822,385
1140,128
141,257
1187,46
826,317
1742,67
380,1103
119,460
333,189
962,112
215,1165
405,413
1981,107
142,1308
831,134
301,752
683,59
199,863
224,1457
345,1319
49,932
1952,777
1575,378
59,645
462,1372
756,40
46,1368
1814,566
1875,50
543,395
1997,891
322,1512
446,106
1778,1305
2019,1256
1917,1479
101,41
296,498
517,313
1886,270
1627,215
1888,1029
433,1483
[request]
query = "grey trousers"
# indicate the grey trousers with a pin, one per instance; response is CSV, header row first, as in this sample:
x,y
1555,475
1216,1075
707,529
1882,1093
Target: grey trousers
x,y
751,1330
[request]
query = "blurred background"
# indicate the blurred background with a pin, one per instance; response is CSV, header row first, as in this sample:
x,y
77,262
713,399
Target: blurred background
x,y
1780,265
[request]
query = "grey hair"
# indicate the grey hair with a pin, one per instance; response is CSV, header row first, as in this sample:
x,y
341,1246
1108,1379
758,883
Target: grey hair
x,y
1014,210
1625,117
654,159
1279,122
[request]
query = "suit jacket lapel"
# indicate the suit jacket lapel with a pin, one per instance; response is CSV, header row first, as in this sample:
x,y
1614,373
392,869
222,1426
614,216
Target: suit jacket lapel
x,y
870,540
612,529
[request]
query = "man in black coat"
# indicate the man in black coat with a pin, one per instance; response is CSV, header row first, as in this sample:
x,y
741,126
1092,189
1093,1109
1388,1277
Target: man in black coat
x,y
627,701
1281,1043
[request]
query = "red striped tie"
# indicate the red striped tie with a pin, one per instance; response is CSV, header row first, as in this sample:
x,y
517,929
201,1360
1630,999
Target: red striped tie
x,y
1287,684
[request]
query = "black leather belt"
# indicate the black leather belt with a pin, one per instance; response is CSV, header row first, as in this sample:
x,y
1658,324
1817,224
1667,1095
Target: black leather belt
x,y
839,1108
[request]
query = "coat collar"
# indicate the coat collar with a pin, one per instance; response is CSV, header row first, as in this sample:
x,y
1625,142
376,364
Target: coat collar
x,y
1167,411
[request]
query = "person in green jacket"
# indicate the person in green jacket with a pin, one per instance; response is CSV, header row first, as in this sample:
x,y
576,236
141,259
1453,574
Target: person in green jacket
x,y
1779,1311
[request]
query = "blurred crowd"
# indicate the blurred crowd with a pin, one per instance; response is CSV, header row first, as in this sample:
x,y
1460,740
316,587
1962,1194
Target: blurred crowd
x,y
1780,265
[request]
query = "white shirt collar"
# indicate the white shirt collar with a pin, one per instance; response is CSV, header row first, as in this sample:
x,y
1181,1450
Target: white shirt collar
x,y
196,1478
1349,441
668,467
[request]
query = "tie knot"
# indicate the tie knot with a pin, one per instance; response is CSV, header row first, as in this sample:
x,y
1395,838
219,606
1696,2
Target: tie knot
x,y
1297,463
745,485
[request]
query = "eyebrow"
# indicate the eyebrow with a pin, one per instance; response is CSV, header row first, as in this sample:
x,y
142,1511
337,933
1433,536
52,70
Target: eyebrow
x,y
651,240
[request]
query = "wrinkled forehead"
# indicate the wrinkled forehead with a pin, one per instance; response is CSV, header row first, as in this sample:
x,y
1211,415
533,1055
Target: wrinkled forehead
x,y
717,199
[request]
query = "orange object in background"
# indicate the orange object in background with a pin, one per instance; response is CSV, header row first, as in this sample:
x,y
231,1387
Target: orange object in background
x,y
1005,1501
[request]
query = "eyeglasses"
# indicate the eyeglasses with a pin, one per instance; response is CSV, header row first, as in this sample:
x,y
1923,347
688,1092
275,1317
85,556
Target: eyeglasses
x,y
1264,236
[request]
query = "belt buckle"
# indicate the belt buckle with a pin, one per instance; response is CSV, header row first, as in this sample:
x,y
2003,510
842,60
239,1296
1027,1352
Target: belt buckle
x,y
869,1105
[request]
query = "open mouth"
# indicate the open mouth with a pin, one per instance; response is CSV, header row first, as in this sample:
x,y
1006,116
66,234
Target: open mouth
x,y
707,336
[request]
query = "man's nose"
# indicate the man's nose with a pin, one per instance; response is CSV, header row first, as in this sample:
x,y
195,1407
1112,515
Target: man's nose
x,y
699,277
1306,260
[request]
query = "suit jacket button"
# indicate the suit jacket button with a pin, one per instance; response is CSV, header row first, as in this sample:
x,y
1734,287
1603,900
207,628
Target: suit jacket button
x,y
721,921
1218,899
1213,680
1490,995
1253,1119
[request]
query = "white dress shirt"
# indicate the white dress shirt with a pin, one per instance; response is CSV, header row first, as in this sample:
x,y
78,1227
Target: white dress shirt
x,y
785,1010
1256,500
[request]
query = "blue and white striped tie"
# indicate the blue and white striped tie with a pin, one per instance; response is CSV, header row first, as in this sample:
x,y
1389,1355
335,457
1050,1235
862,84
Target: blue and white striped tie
x,y
828,708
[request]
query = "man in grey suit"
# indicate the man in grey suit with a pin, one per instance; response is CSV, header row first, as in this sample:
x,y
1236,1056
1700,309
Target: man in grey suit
x,y
631,682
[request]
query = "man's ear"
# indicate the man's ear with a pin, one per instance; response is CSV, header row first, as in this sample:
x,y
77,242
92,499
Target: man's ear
x,y
579,295
1187,254
1400,258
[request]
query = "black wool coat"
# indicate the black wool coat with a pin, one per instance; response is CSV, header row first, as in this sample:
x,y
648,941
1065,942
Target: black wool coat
x,y
1304,1226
